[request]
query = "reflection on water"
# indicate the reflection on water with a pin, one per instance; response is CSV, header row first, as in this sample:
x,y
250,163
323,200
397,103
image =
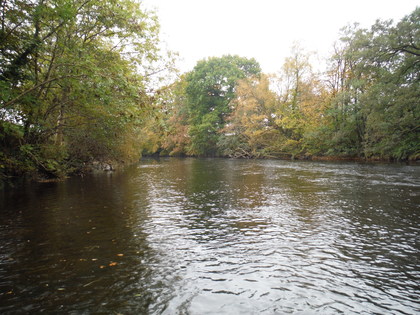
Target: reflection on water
x,y
215,236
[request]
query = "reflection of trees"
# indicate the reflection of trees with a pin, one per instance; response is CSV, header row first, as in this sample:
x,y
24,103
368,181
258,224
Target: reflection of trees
x,y
69,237
227,184
202,194
300,189
215,186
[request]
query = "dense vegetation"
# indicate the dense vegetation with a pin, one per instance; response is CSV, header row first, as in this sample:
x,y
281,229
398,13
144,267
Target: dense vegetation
x,y
365,105
75,89
73,79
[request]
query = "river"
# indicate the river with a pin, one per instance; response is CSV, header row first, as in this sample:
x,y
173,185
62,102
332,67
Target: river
x,y
215,236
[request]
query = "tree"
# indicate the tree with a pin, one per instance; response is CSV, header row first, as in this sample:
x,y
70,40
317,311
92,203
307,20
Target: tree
x,y
392,102
251,130
73,79
210,88
177,140
374,86
165,131
301,102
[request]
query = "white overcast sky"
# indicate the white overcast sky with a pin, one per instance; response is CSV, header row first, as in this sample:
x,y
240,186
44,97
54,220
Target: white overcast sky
x,y
263,29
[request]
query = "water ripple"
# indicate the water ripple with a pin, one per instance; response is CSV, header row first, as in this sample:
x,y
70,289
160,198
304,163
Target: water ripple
x,y
218,237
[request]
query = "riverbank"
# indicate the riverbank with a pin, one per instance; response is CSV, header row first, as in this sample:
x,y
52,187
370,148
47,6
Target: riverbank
x,y
17,177
291,157
82,169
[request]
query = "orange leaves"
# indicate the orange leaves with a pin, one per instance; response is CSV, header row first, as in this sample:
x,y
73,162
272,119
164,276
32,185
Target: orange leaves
x,y
111,263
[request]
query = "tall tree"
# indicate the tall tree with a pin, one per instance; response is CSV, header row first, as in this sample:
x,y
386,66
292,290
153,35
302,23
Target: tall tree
x,y
392,101
210,88
251,130
73,78
301,101
374,104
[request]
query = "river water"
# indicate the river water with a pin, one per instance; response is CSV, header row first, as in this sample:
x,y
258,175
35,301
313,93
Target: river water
x,y
215,236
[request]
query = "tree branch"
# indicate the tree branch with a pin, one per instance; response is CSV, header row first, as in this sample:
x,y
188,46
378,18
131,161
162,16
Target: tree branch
x,y
37,86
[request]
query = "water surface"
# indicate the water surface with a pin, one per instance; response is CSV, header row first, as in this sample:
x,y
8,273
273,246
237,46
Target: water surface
x,y
215,236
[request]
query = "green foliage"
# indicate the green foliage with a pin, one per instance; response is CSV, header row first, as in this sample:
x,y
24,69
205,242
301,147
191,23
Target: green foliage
x,y
204,135
375,111
209,91
73,80
392,119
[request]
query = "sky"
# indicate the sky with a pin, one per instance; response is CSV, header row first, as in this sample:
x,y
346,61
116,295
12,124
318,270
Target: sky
x,y
263,29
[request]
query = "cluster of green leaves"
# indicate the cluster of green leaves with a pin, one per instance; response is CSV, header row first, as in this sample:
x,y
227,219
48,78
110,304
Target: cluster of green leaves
x,y
73,80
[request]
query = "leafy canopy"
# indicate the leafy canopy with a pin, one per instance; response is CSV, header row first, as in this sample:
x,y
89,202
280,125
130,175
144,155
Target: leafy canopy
x,y
210,88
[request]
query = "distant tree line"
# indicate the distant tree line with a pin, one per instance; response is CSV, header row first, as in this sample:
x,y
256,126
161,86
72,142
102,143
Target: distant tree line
x,y
365,105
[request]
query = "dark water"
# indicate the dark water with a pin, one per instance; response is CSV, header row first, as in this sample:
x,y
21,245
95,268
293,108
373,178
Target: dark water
x,y
214,236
